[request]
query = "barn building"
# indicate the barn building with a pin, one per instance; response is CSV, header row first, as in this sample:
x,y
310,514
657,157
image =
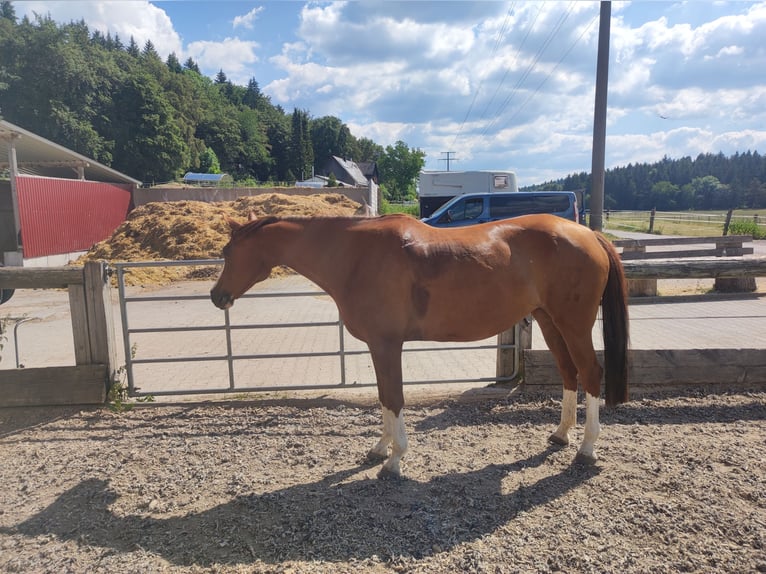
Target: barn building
x,y
54,203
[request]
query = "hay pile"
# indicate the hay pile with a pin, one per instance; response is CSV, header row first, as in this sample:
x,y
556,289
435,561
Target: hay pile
x,y
185,230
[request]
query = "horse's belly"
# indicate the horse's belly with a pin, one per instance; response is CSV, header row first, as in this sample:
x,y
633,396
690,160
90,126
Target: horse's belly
x,y
471,322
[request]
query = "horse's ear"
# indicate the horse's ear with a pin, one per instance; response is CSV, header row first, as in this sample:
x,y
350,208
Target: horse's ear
x,y
234,225
251,216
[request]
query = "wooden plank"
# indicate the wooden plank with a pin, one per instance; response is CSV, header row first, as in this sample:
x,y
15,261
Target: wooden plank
x,y
665,367
716,240
79,316
712,252
100,327
696,268
40,277
47,386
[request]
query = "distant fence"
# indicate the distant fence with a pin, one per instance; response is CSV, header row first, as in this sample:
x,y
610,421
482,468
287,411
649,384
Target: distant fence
x,y
709,223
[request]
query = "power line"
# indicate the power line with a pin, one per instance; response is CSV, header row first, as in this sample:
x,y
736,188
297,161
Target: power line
x,y
547,77
498,40
515,59
448,158
529,70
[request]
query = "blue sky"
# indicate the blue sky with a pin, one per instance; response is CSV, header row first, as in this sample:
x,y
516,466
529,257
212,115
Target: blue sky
x,y
503,85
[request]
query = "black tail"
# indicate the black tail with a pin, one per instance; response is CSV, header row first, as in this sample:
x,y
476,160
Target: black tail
x,y
614,311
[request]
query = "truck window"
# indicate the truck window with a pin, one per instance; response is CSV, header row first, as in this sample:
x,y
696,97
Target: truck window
x,y
464,210
501,181
502,207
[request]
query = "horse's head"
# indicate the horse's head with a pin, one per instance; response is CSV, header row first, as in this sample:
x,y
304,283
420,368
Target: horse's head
x,y
244,263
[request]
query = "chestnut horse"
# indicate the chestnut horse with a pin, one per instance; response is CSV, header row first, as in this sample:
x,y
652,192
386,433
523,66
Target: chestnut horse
x,y
397,279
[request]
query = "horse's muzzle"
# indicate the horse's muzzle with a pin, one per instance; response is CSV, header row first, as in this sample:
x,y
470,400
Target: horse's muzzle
x,y
221,299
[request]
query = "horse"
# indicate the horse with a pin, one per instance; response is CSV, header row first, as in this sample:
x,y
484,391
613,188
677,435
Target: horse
x,y
396,279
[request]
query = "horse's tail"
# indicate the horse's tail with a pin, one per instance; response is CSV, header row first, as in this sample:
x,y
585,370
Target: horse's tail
x,y
614,311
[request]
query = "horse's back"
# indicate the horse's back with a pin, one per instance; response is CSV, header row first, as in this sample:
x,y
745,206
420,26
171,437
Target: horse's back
x,y
472,282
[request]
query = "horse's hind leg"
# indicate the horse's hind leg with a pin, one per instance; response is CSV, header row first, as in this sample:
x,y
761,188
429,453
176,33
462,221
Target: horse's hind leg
x,y
387,359
568,371
589,372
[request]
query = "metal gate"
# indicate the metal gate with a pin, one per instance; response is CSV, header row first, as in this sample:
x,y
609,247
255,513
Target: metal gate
x,y
177,343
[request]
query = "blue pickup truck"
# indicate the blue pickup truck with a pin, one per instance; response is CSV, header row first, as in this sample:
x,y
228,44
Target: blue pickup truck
x,y
473,208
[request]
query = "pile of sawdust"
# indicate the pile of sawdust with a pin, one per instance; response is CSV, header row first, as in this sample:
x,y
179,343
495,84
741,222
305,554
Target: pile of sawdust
x,y
187,230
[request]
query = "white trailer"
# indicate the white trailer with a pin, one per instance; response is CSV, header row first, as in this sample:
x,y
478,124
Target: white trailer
x,y
435,188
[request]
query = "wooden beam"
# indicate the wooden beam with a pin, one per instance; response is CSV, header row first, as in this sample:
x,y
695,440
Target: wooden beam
x,y
696,268
664,368
720,251
79,385
40,277
717,240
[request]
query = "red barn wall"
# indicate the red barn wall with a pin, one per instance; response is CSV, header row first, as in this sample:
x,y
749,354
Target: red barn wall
x,y
66,215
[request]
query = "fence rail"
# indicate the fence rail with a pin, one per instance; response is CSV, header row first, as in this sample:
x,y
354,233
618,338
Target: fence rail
x,y
507,371
710,223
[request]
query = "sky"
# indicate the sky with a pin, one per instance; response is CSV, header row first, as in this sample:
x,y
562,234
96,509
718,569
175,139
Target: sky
x,y
499,85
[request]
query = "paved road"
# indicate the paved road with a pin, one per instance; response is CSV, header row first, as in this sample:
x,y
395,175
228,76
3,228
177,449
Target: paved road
x,y
47,340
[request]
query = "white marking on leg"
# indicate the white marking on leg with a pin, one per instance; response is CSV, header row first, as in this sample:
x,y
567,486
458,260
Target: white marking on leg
x,y
592,427
381,449
399,446
568,416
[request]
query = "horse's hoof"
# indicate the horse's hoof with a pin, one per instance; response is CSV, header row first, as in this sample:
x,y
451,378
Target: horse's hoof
x,y
557,440
387,474
585,459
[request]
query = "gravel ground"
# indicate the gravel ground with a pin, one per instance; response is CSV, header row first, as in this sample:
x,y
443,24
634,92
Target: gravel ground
x,y
280,486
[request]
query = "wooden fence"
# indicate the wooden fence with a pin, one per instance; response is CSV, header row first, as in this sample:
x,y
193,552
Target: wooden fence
x,y
93,332
95,346
681,248
656,369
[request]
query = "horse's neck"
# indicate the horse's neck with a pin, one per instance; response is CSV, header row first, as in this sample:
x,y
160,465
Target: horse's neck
x,y
311,247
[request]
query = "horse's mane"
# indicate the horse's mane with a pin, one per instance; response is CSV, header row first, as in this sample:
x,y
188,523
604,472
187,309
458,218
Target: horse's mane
x,y
256,224
253,226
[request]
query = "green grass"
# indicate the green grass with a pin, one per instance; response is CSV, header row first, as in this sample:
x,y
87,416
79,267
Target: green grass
x,y
408,208
691,223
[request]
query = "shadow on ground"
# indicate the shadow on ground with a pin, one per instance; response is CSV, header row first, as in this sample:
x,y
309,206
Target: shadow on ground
x,y
328,520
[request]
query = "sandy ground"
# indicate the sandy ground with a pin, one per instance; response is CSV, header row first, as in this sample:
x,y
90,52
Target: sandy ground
x,y
281,486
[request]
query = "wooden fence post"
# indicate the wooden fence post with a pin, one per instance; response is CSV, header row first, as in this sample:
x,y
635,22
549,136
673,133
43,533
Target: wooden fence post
x,y
640,287
727,222
103,345
506,357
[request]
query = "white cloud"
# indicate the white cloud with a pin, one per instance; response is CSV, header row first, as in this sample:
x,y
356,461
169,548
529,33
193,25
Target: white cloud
x,y
506,85
248,19
131,18
232,55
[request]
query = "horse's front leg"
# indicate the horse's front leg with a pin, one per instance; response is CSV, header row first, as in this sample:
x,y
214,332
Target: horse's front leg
x,y
387,359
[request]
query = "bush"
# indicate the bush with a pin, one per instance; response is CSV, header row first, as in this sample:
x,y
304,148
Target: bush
x,y
410,209
747,228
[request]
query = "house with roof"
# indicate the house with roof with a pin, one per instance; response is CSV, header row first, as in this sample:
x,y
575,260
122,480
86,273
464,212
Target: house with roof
x,y
345,172
348,173
370,170
207,179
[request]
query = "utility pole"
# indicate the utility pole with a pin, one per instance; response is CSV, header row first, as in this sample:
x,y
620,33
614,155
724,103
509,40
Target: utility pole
x,y
448,158
599,120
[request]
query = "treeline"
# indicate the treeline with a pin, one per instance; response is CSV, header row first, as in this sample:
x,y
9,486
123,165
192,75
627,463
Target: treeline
x,y
125,107
711,181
